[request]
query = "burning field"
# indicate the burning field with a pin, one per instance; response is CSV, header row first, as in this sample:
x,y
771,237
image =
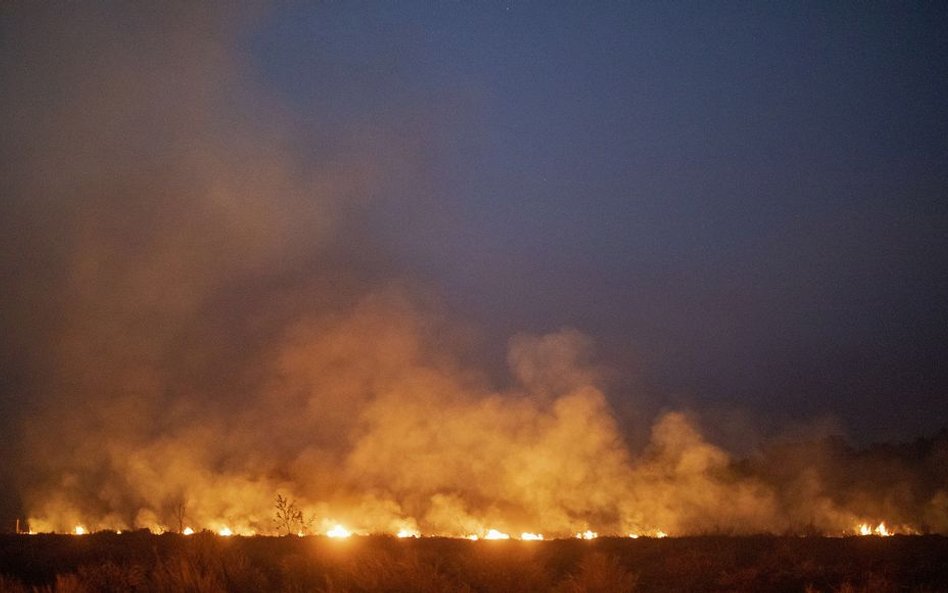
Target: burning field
x,y
209,563
243,300
357,423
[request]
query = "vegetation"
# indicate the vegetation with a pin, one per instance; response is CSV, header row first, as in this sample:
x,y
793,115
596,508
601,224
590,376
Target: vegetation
x,y
287,518
206,563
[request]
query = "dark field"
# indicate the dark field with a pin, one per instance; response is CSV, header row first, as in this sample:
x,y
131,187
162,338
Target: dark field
x,y
207,563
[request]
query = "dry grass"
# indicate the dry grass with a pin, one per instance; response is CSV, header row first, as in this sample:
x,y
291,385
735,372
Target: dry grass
x,y
143,563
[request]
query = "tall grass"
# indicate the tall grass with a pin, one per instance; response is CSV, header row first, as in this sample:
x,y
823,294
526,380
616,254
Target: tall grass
x,y
208,564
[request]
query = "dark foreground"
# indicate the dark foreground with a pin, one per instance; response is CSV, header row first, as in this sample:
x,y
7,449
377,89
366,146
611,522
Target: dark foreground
x,y
208,564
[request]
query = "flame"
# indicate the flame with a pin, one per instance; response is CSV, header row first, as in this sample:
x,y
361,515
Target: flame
x,y
79,530
188,531
588,534
338,532
660,534
473,537
880,529
495,534
531,537
225,531
403,533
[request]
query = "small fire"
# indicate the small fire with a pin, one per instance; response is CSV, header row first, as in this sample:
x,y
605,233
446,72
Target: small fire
x,y
188,531
225,531
880,529
660,534
531,537
588,534
338,532
473,537
403,533
495,534
79,530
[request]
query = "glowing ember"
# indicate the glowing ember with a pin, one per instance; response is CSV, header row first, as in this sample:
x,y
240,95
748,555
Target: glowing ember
x,y
225,531
634,535
79,530
495,534
531,537
187,531
587,535
338,531
403,533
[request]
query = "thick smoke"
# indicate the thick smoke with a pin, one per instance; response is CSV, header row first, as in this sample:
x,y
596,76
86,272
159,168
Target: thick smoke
x,y
197,321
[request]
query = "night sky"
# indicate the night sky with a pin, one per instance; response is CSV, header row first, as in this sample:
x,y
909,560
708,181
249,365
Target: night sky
x,y
745,203
744,206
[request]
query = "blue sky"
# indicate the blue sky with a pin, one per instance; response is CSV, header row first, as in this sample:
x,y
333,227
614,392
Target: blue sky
x,y
747,201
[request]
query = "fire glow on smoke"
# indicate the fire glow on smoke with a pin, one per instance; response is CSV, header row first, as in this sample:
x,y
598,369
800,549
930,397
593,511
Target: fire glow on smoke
x,y
340,532
428,454
222,331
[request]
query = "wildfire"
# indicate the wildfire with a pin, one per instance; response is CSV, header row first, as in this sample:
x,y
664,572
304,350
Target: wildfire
x,y
79,530
531,537
338,532
880,529
225,531
588,534
403,533
495,534
188,531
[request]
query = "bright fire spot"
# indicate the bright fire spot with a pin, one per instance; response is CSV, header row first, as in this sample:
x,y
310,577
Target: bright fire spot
x,y
187,531
495,534
880,529
300,534
79,530
588,534
225,531
407,533
338,531
531,537
473,537
634,535
660,534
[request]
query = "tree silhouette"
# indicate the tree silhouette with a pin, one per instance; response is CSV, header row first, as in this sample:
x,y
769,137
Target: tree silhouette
x,y
288,518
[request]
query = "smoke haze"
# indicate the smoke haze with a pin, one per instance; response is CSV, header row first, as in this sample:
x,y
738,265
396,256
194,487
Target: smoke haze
x,y
198,316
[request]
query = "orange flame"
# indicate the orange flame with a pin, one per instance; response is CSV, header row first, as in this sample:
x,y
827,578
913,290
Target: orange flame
x,y
338,532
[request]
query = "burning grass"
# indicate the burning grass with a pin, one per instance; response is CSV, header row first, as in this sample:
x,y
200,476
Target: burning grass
x,y
208,563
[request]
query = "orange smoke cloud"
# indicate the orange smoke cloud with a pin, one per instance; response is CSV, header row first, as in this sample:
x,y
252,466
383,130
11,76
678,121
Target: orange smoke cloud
x,y
214,326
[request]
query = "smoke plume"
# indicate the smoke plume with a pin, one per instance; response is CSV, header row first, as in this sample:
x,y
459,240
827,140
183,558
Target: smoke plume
x,y
196,319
